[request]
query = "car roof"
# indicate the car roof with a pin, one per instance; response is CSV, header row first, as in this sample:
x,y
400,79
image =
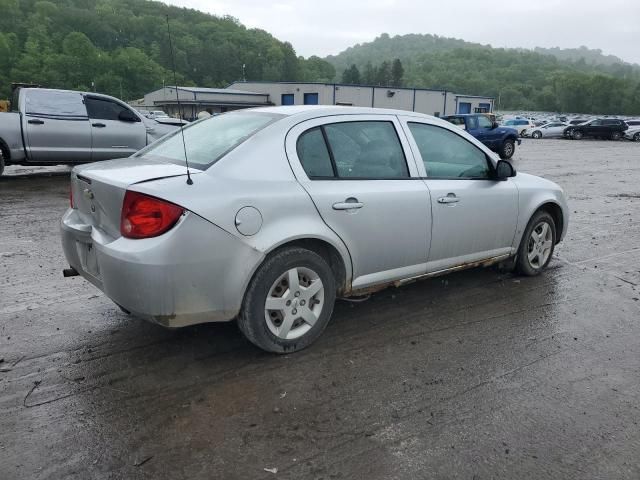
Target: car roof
x,y
325,110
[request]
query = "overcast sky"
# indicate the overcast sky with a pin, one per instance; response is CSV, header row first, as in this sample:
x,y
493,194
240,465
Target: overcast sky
x,y
323,27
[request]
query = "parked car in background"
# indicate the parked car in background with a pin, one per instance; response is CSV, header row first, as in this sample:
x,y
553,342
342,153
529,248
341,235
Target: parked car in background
x,y
632,123
154,114
549,130
49,127
501,140
224,248
606,128
522,125
633,133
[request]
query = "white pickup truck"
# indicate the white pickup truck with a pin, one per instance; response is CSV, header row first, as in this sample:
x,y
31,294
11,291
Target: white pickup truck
x,y
51,127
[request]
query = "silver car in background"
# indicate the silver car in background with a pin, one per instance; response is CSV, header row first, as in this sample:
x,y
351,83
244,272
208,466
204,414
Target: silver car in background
x,y
292,207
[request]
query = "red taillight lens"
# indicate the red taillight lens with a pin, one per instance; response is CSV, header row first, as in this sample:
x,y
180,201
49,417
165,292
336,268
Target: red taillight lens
x,y
144,216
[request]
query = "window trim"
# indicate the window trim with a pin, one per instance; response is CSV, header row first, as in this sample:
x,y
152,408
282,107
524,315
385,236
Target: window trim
x,y
492,168
332,158
112,100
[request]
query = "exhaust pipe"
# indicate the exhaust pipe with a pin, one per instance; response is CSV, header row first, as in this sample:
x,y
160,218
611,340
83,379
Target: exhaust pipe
x,y
70,272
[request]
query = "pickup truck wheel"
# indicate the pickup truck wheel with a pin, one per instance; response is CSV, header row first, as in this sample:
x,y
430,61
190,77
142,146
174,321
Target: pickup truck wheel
x,y
577,135
507,150
537,134
615,135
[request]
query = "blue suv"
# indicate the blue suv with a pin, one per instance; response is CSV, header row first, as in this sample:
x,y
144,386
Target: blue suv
x,y
501,140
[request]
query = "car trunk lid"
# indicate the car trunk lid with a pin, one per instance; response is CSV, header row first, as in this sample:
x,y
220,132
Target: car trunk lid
x,y
98,189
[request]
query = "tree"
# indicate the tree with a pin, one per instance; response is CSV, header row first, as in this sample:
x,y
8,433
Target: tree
x,y
351,75
369,74
397,73
383,74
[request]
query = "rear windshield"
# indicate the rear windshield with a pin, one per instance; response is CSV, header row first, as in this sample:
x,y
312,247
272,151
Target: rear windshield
x,y
209,140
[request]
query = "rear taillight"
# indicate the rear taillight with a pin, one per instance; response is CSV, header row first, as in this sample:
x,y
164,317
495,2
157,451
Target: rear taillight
x,y
144,216
71,196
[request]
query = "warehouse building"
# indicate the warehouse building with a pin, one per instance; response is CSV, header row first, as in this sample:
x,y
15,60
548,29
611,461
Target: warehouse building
x,y
196,99
259,94
431,102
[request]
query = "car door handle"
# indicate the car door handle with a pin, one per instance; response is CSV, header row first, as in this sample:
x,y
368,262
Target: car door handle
x,y
98,125
35,122
450,198
349,204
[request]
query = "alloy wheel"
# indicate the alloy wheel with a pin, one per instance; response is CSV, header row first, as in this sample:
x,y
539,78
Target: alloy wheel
x,y
294,303
540,245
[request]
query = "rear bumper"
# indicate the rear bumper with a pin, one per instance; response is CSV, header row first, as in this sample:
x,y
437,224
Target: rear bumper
x,y
195,273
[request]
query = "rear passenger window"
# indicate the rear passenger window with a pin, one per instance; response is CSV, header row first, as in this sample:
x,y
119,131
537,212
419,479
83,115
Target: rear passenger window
x,y
103,109
448,155
314,155
358,150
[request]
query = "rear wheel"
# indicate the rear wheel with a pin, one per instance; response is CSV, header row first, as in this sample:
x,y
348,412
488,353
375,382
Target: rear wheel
x,y
636,137
537,244
615,135
507,150
577,135
289,301
537,134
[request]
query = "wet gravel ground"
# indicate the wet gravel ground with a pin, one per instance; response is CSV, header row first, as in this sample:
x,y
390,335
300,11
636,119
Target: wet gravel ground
x,y
477,375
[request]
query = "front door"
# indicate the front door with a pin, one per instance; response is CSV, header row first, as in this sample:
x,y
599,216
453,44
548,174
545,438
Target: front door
x,y
56,126
365,184
481,127
474,217
111,136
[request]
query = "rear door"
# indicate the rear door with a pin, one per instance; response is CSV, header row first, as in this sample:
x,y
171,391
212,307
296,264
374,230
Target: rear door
x,y
474,217
56,126
111,135
360,174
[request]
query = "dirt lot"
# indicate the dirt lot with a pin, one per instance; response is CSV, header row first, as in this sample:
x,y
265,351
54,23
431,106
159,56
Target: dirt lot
x,y
477,375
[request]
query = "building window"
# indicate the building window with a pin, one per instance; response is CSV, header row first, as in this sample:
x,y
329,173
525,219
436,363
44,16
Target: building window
x,y
288,99
311,99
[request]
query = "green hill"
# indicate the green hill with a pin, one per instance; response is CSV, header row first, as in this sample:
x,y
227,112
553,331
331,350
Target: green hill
x,y
571,80
121,47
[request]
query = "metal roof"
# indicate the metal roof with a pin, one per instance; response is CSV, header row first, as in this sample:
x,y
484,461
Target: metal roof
x,y
225,91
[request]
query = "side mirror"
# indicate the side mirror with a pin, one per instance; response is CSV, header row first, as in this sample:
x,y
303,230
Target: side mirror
x,y
494,125
127,116
504,170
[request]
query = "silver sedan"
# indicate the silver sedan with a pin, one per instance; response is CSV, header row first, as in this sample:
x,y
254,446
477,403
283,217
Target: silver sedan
x,y
288,208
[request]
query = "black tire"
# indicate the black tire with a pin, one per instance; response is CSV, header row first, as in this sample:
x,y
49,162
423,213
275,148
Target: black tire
x,y
523,265
615,135
252,320
577,135
537,134
1,163
636,137
507,150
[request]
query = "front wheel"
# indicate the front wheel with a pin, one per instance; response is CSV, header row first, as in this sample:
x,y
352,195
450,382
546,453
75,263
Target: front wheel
x,y
289,301
537,134
636,137
507,150
577,135
537,244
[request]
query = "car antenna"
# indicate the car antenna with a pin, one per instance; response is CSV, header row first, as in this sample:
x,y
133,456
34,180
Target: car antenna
x,y
175,82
